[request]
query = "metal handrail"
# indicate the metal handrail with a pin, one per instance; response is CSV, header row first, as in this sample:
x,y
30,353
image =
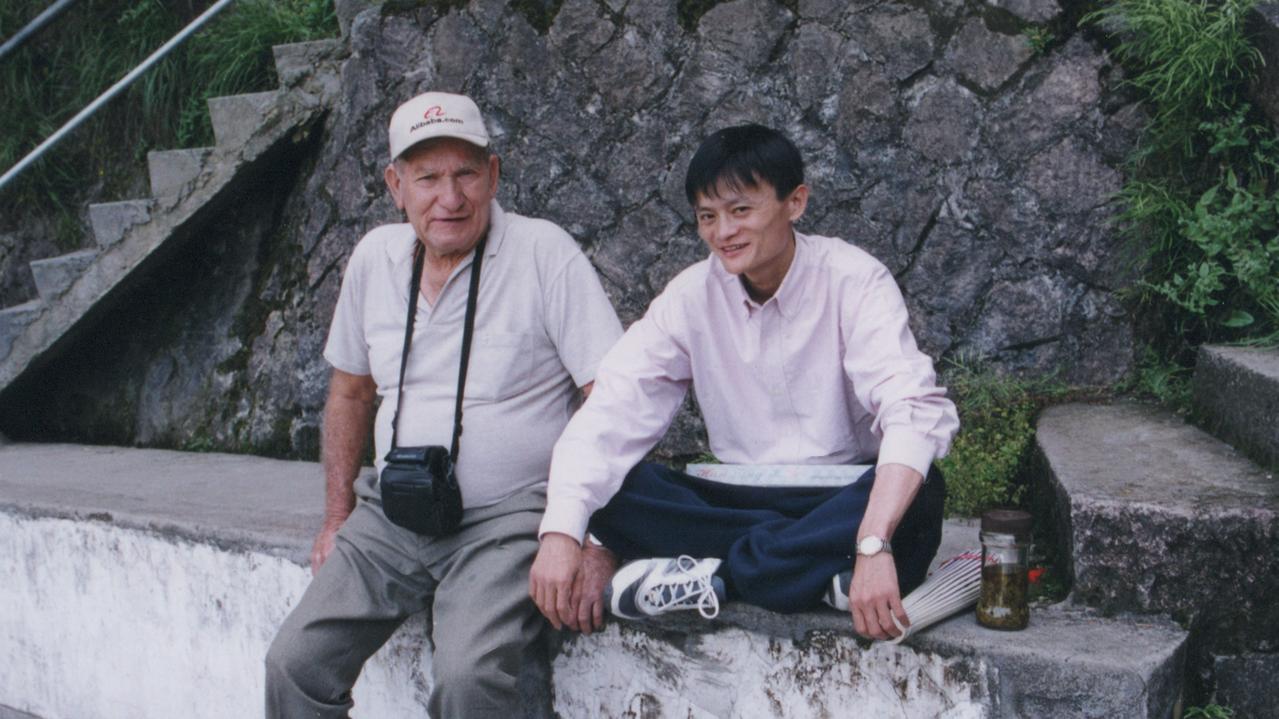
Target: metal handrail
x,y
34,26
112,91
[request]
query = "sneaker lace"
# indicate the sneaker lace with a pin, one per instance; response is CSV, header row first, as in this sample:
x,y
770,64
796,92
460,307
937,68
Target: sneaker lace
x,y
686,588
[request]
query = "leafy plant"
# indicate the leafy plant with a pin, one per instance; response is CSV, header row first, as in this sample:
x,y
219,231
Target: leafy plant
x,y
1200,200
1209,711
997,428
1039,39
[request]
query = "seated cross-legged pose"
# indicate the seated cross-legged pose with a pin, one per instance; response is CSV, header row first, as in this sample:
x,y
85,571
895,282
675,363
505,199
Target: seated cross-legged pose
x,y
799,352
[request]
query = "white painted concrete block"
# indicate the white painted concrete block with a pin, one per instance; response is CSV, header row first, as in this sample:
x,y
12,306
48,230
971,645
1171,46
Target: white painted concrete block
x,y
104,622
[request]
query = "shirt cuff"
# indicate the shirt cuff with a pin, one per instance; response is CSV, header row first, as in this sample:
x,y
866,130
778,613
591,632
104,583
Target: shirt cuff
x,y
565,517
904,446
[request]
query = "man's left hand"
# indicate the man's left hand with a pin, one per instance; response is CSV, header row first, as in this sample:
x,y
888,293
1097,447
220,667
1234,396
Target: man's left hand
x,y
598,567
874,597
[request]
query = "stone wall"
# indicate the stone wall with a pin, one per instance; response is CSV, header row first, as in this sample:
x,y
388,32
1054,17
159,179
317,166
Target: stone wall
x,y
972,147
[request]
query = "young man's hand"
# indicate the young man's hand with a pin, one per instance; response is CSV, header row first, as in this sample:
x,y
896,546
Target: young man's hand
x,y
874,597
598,567
551,581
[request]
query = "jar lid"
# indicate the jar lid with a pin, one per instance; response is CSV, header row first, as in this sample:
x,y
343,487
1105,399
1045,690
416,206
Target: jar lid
x,y
1006,521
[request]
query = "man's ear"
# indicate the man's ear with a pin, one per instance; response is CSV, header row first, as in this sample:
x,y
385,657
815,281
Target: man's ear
x,y
392,178
495,171
796,203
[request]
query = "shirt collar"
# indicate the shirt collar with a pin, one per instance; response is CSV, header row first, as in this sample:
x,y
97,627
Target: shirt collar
x,y
789,295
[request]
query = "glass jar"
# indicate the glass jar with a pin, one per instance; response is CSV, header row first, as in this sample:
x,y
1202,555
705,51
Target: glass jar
x,y
1005,544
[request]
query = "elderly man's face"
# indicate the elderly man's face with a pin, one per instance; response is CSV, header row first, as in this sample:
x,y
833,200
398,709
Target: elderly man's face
x,y
445,187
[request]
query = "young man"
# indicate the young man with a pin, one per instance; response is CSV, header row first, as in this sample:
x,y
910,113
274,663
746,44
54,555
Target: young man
x,y
799,352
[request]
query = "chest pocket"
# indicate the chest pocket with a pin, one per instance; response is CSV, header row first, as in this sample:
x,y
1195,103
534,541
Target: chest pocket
x,y
500,365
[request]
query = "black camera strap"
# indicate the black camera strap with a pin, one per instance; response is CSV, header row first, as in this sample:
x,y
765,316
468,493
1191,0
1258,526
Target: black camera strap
x,y
468,330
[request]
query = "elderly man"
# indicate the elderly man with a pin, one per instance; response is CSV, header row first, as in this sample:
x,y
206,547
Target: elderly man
x,y
798,349
410,296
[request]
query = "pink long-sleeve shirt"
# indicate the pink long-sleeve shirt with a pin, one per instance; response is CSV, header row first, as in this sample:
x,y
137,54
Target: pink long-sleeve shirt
x,y
826,371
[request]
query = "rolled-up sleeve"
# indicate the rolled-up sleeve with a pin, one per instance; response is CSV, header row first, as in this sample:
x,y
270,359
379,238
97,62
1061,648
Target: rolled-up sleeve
x,y
638,389
892,378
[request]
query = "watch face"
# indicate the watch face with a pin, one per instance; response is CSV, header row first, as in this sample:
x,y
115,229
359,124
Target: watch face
x,y
870,545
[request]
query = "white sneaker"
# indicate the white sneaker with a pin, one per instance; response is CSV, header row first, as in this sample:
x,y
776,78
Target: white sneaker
x,y
648,587
837,593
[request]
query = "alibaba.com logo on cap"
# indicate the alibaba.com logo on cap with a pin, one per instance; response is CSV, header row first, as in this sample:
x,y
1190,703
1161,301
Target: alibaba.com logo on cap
x,y
434,115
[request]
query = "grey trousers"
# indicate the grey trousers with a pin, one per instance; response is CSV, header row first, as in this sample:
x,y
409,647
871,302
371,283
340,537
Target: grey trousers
x,y
485,629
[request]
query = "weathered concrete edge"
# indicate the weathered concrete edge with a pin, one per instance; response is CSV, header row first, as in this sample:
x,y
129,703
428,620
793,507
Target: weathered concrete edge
x,y
237,541
1025,674
1236,403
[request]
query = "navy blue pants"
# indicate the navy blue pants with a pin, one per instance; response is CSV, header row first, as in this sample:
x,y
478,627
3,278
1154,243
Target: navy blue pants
x,y
780,546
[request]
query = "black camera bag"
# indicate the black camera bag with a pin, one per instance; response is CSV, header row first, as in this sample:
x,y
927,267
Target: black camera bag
x,y
418,484
419,490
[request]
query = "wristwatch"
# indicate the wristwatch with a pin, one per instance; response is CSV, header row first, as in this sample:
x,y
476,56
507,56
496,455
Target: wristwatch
x,y
871,545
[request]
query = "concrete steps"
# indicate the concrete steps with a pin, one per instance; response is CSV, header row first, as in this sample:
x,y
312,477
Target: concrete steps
x,y
1158,517
196,560
172,171
14,321
111,221
236,117
187,186
1236,397
54,275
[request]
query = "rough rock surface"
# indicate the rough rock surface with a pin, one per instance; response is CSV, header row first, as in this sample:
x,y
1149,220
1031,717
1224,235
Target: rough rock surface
x,y
1157,516
1247,685
1236,394
1263,25
973,167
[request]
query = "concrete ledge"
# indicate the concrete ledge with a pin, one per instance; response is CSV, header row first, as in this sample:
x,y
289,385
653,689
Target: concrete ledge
x,y
1236,392
1070,662
158,579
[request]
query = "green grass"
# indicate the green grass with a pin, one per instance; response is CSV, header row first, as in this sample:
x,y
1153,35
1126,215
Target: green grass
x,y
96,43
1161,379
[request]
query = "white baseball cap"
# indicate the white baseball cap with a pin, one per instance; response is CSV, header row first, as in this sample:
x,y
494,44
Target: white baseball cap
x,y
436,114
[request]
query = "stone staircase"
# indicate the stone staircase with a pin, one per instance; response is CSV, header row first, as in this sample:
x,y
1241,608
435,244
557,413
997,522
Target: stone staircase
x,y
188,186
1159,517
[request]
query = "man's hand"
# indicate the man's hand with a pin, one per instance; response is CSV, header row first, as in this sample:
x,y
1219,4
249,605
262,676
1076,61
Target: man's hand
x,y
874,597
551,581
598,567
323,545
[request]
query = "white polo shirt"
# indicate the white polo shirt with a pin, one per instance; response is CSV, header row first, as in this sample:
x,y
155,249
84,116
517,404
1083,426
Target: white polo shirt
x,y
542,324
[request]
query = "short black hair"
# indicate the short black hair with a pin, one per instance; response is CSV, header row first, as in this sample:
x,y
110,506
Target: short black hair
x,y
743,156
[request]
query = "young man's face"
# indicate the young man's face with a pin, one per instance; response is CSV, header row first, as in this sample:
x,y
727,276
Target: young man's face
x,y
445,186
749,230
